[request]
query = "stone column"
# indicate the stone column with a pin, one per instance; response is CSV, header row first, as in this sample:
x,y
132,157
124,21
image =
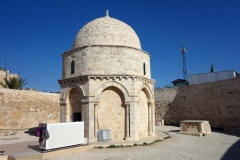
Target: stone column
x,y
64,110
89,124
96,120
133,120
127,120
149,118
153,118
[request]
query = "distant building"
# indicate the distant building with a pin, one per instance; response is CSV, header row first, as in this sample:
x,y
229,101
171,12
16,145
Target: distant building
x,y
31,89
212,76
179,82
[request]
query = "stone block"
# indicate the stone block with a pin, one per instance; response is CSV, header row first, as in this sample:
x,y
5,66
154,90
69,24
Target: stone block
x,y
195,127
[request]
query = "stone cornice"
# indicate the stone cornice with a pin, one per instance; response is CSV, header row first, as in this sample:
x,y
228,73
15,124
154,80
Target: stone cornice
x,y
83,47
85,78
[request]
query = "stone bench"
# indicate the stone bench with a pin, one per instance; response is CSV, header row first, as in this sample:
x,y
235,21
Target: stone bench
x,y
195,127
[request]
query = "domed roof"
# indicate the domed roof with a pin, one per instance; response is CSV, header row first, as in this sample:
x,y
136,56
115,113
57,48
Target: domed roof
x,y
107,31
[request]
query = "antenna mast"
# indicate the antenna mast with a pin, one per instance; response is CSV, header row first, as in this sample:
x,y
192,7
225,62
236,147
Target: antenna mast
x,y
6,67
183,51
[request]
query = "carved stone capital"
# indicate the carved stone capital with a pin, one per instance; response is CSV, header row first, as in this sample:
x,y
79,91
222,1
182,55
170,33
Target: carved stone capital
x,y
149,104
127,103
63,104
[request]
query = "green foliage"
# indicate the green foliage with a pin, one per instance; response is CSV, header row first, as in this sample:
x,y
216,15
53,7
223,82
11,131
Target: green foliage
x,y
14,83
167,136
100,147
145,143
112,146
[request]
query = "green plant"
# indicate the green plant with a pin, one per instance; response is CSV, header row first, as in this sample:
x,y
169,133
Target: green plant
x,y
100,147
14,133
145,143
112,146
167,136
203,134
14,83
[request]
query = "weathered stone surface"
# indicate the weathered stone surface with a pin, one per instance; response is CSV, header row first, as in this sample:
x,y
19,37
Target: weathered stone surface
x,y
195,127
26,109
142,115
111,112
107,31
218,102
112,76
106,60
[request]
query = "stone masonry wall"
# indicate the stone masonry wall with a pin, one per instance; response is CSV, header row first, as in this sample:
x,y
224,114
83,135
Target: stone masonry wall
x,y
106,60
218,102
26,109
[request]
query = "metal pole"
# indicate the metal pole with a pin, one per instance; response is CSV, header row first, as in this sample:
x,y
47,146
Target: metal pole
x,y
183,51
6,66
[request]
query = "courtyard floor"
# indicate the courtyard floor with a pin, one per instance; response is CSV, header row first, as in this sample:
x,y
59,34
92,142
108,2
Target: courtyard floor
x,y
217,145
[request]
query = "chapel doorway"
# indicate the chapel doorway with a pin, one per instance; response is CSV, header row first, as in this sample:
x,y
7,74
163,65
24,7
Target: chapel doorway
x,y
75,108
111,112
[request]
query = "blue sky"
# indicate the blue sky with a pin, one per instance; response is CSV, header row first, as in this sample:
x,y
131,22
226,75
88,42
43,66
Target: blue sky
x,y
34,34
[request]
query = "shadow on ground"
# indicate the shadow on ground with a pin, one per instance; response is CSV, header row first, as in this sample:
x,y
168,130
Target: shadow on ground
x,y
174,131
36,148
31,131
233,152
223,132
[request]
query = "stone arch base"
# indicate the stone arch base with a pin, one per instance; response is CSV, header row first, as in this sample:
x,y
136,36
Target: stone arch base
x,y
111,112
142,114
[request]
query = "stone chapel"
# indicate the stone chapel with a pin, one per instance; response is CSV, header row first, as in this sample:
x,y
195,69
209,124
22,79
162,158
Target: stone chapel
x,y
106,82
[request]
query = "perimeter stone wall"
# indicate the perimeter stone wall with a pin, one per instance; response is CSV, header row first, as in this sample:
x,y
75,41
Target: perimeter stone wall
x,y
26,109
218,102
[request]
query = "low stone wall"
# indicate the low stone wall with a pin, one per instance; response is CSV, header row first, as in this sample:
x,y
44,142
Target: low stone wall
x,y
20,109
218,102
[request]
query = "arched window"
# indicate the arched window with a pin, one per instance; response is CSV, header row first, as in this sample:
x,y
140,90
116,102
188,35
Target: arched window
x,y
144,69
72,67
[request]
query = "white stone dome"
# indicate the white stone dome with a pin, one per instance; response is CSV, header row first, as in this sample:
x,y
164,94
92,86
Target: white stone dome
x,y
107,31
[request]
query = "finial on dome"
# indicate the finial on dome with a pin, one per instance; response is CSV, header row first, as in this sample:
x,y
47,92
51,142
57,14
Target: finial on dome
x,y
107,15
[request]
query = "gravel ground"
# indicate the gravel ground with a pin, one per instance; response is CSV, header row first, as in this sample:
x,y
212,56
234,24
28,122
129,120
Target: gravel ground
x,y
217,145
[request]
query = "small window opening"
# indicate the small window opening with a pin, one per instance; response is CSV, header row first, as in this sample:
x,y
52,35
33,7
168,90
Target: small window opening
x,y
144,69
72,67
